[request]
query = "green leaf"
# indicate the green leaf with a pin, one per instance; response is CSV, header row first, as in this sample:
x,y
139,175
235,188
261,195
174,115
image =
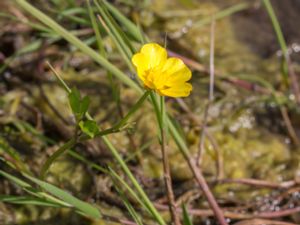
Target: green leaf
x,y
89,127
79,106
14,179
84,105
74,100
27,200
81,206
186,218
37,193
6,148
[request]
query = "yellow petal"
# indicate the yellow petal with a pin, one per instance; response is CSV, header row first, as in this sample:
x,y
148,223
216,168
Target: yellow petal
x,y
156,55
140,61
166,76
173,72
176,71
182,90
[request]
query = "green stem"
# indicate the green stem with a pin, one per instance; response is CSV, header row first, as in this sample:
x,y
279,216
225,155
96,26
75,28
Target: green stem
x,y
86,161
137,186
132,111
122,122
279,36
55,155
276,25
166,166
156,108
222,14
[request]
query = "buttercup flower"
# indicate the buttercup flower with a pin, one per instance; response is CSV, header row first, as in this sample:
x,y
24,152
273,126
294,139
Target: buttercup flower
x,y
166,76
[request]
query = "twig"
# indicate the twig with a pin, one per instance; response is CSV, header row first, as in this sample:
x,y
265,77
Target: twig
x,y
211,93
194,164
199,176
191,63
260,183
207,192
262,221
195,119
219,157
118,220
280,213
236,215
289,126
235,81
294,79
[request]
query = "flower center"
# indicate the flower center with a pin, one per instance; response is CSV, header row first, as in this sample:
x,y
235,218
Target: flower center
x,y
154,79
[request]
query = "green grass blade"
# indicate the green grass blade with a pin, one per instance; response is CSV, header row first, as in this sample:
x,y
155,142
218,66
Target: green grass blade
x,y
96,30
279,36
135,183
33,25
115,32
222,14
117,29
126,202
115,92
115,176
27,200
78,43
14,179
28,188
186,218
17,159
84,207
128,24
86,161
276,26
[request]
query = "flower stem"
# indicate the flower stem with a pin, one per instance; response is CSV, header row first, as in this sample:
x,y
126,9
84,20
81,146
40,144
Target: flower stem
x,y
167,174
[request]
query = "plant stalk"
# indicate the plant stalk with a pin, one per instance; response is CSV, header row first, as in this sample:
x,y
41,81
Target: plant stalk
x,y
166,167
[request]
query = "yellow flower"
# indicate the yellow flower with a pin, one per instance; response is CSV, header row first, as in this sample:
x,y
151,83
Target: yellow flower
x,y
166,76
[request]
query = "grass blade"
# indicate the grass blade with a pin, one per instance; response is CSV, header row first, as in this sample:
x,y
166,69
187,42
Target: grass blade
x,y
27,200
14,179
78,43
115,32
279,36
130,26
83,207
115,92
186,218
